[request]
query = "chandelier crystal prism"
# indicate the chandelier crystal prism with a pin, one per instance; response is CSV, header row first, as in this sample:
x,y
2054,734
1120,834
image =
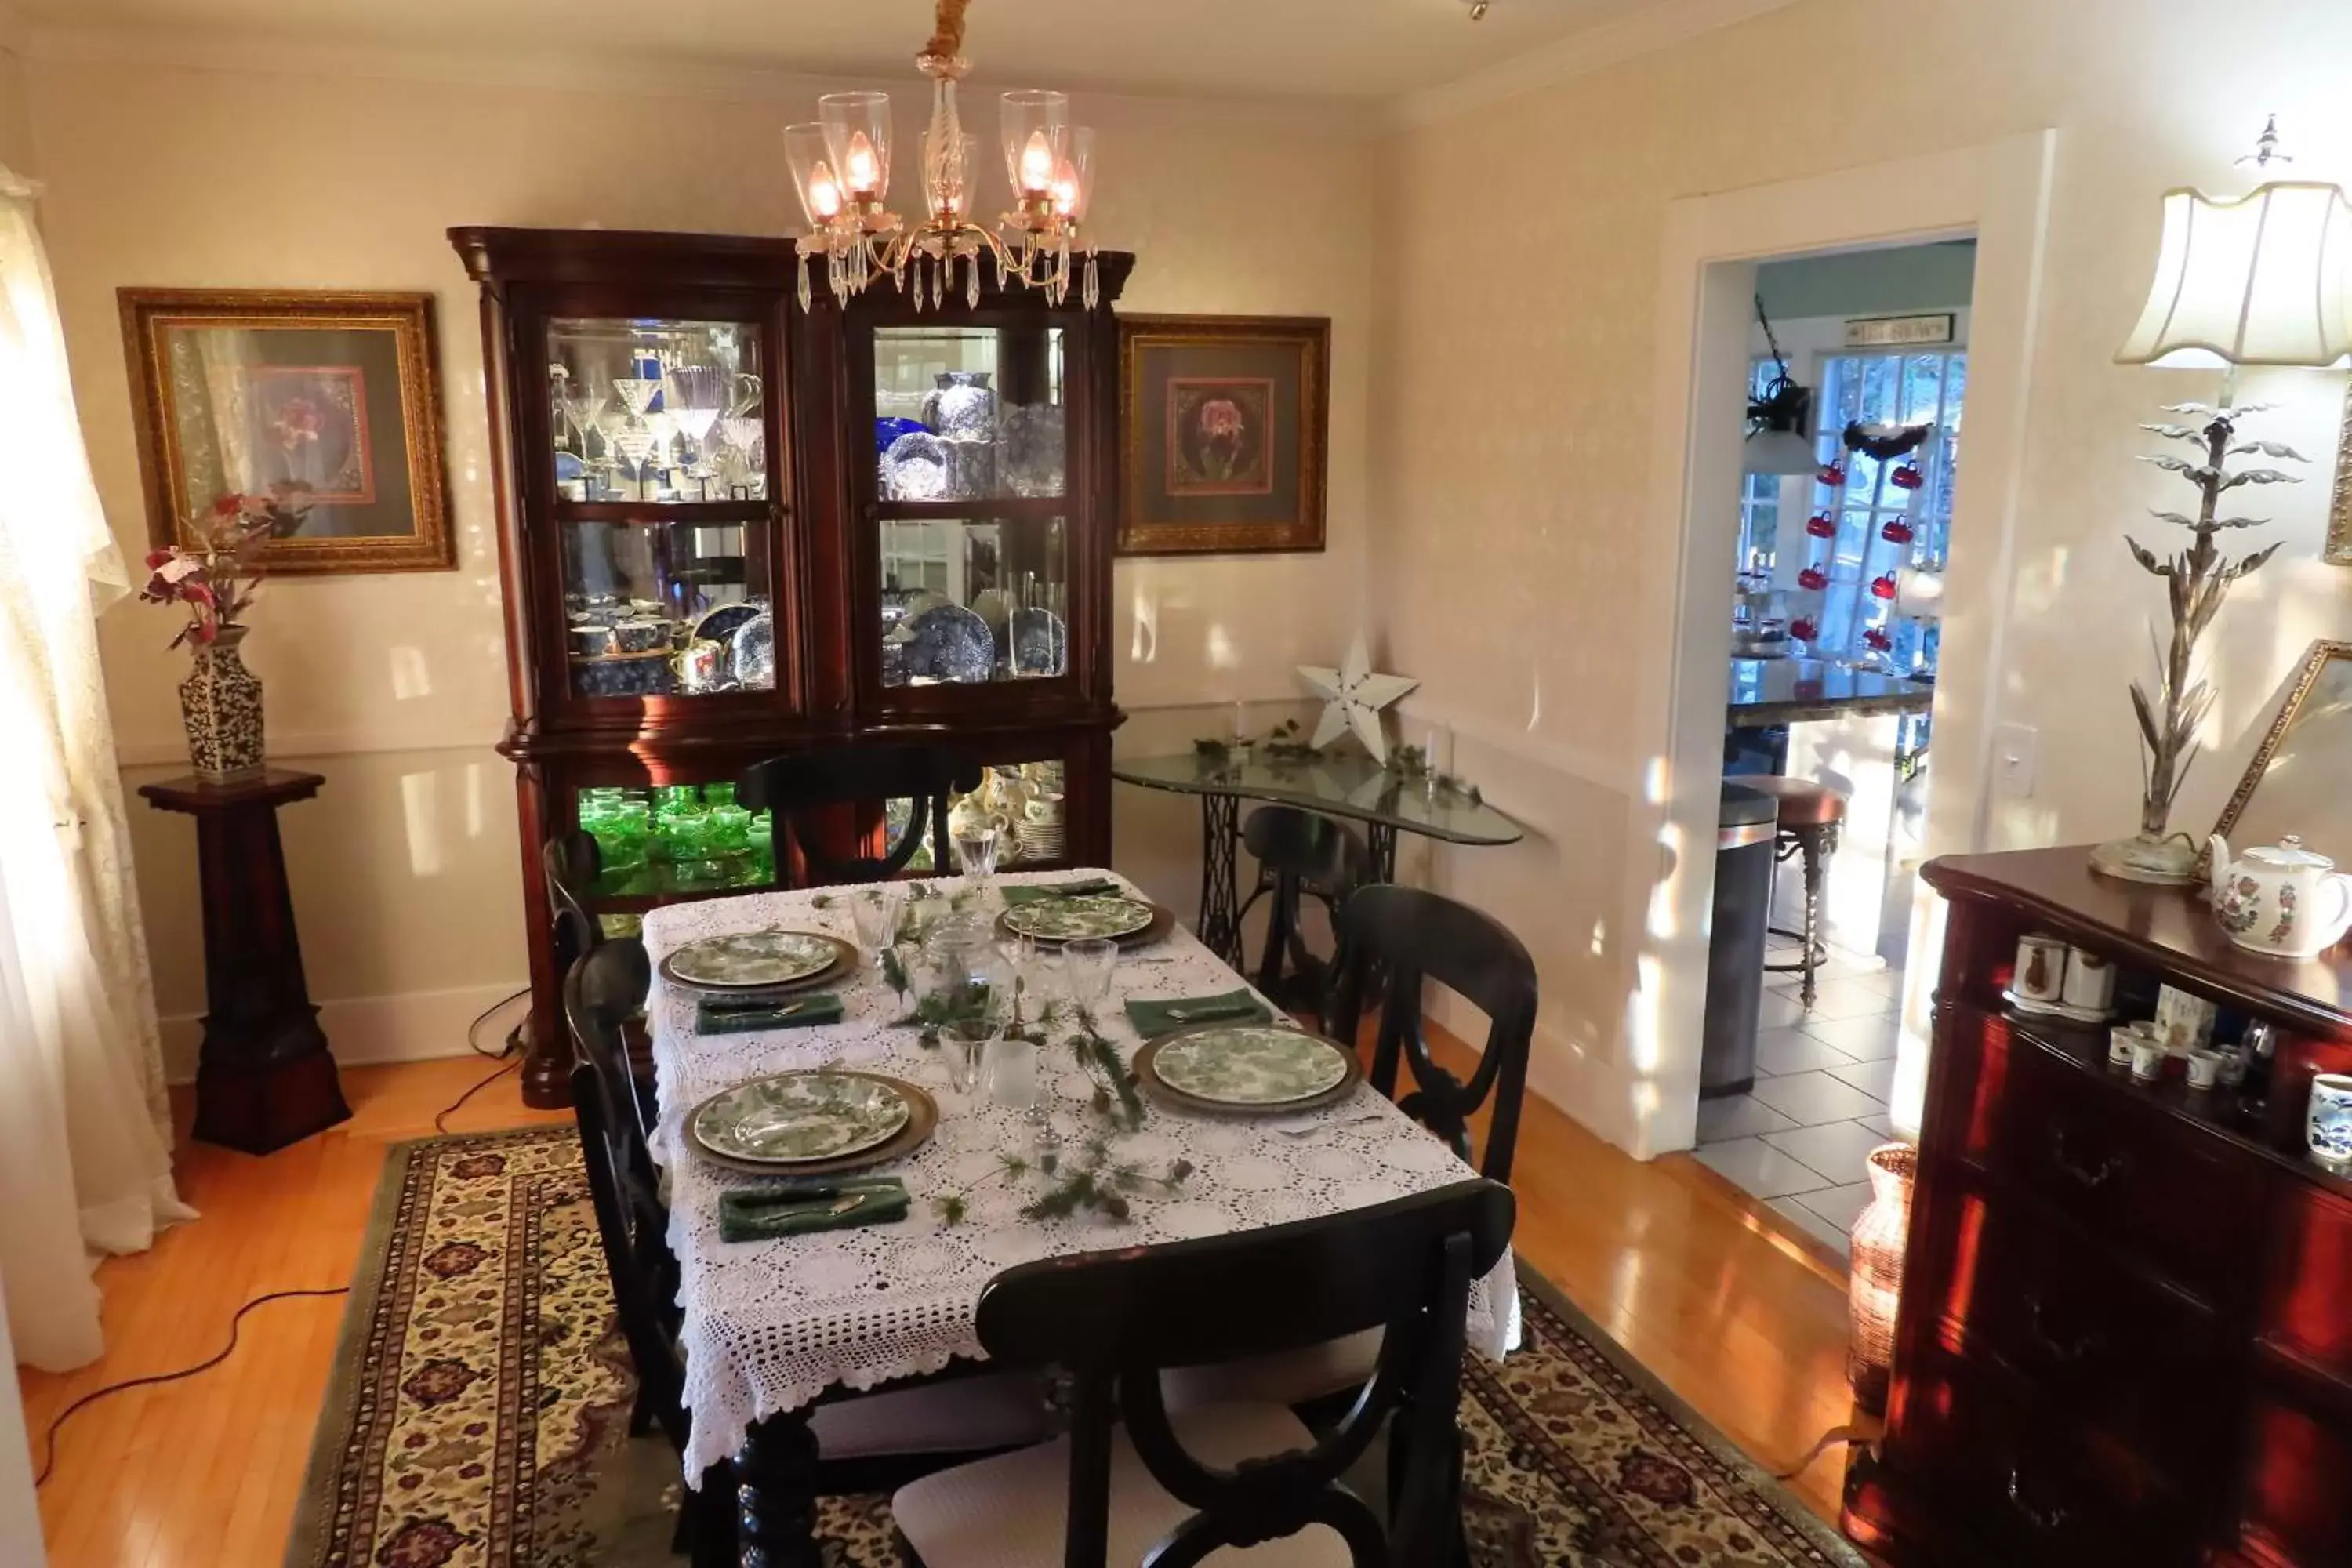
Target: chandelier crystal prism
x,y
840,165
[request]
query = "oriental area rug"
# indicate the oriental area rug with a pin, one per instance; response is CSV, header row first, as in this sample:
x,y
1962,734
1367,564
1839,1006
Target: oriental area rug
x,y
478,1415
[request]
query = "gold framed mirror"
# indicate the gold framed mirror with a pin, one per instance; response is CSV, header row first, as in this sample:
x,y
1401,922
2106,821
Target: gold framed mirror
x,y
2296,782
2339,512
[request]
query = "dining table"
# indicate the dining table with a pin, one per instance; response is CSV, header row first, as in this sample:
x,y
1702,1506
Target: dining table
x,y
1341,785
772,1327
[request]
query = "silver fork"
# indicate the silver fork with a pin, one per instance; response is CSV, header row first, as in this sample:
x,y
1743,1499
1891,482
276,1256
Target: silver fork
x,y
1322,1126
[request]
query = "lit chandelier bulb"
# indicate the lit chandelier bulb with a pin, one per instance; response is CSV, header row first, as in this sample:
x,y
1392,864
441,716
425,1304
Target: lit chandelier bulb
x,y
864,169
1065,192
1037,164
823,195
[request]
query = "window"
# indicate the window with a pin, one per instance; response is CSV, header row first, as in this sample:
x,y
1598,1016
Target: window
x,y
1885,389
1759,494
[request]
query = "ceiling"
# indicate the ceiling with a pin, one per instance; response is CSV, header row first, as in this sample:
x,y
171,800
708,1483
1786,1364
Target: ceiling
x,y
1352,49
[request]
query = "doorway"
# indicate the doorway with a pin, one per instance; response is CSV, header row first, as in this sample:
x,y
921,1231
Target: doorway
x,y
1844,537
1705,309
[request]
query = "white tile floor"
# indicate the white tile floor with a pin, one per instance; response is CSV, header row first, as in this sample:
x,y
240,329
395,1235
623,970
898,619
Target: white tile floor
x,y
1800,1138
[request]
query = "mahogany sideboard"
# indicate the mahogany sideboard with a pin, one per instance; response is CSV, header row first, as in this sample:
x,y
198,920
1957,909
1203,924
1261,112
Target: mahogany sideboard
x,y
2125,1331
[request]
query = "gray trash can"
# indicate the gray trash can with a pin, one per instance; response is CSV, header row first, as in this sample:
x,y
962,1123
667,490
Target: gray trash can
x,y
1745,829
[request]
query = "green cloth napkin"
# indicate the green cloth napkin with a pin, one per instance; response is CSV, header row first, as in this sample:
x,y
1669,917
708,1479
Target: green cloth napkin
x,y
723,1018
1150,1017
804,1207
1044,890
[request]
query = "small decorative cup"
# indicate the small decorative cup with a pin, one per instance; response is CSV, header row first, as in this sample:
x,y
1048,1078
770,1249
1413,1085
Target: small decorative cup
x,y
2147,1059
2122,1038
2204,1068
2090,981
2184,1022
2328,1127
2041,969
2233,1065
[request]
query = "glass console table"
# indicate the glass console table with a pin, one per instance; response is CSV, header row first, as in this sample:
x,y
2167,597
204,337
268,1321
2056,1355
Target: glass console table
x,y
1348,786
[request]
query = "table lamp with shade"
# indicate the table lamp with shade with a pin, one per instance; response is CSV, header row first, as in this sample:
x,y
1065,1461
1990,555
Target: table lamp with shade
x,y
2262,280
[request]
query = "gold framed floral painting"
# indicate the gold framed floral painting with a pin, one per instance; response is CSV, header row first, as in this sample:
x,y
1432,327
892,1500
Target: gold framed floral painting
x,y
331,397
1223,428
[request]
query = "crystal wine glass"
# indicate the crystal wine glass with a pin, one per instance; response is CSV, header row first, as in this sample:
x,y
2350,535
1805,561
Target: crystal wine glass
x,y
975,852
1089,966
695,396
874,913
635,393
627,438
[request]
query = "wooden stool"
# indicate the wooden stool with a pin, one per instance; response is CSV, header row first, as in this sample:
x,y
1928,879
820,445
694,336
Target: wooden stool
x,y
1809,817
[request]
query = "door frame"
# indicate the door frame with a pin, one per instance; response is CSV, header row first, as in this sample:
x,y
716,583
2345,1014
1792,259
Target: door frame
x,y
2000,192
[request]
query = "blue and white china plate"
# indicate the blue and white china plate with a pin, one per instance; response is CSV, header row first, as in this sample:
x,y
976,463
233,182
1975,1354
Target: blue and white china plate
x,y
950,644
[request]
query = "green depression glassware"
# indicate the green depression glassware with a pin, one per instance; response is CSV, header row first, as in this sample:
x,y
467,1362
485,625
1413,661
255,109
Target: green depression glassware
x,y
730,829
684,834
622,833
719,794
675,797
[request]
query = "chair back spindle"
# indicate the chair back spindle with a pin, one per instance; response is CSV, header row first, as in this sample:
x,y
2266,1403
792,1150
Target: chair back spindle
x,y
799,790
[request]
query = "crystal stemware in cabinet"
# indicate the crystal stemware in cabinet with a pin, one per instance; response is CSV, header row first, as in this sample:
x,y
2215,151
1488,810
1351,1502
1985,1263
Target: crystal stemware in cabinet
x,y
635,393
695,396
582,408
629,439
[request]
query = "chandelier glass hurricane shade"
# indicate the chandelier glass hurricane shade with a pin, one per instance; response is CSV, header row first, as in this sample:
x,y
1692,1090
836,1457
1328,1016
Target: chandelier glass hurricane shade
x,y
2262,280
840,166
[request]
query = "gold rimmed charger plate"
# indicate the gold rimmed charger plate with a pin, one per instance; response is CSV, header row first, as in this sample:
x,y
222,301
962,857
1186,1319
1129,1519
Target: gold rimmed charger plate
x,y
1162,922
1147,1073
844,962
922,1120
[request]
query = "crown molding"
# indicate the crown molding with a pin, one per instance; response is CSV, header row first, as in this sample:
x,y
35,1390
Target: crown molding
x,y
602,72
1651,26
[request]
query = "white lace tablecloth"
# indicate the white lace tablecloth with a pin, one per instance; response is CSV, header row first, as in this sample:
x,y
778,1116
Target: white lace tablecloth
x,y
770,1325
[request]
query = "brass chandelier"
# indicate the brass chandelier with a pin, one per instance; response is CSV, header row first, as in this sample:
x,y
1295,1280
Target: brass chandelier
x,y
841,167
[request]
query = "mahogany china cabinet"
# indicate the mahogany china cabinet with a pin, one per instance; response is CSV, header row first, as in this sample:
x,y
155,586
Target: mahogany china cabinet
x,y
2125,1327
731,527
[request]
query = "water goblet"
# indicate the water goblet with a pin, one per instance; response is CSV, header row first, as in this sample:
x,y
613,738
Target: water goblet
x,y
1089,966
975,852
966,1041
874,913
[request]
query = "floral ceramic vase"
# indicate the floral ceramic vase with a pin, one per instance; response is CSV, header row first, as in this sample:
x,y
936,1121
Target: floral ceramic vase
x,y
220,705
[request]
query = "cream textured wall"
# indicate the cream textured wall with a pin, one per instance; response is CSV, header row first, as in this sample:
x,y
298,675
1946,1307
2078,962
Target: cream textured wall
x,y
1510,403
304,174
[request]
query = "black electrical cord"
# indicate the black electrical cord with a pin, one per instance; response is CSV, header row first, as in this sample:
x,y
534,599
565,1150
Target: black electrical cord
x,y
441,1121
506,1051
483,1016
49,1440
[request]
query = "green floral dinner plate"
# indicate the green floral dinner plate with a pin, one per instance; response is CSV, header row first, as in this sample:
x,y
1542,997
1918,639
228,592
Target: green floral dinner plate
x,y
752,960
792,1118
1249,1064
1071,920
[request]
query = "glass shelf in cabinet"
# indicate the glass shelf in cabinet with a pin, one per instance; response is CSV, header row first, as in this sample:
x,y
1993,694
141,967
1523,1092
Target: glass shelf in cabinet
x,y
662,513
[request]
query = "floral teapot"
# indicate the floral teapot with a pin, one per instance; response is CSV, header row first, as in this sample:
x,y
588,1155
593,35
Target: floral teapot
x,y
2283,899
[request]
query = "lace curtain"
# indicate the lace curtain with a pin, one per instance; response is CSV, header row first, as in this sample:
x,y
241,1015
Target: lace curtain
x,y
85,1131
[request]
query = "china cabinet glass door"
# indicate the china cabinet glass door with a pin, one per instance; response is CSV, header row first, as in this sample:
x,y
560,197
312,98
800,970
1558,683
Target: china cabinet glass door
x,y
969,476
657,463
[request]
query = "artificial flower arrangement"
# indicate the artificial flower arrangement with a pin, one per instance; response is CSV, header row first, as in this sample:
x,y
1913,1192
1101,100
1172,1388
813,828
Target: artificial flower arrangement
x,y
216,580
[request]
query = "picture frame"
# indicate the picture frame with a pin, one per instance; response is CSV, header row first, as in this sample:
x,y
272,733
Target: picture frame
x,y
235,390
1224,434
2339,511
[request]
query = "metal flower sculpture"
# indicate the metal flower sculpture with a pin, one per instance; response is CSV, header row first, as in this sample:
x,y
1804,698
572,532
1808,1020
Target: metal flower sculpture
x,y
2196,579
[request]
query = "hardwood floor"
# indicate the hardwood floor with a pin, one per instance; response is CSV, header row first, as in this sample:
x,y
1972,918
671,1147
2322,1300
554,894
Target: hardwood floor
x,y
204,1473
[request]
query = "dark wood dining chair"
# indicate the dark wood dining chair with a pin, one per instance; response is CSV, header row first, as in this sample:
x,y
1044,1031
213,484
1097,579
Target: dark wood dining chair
x,y
1301,855
805,790
570,864
1134,1482
866,1441
1405,936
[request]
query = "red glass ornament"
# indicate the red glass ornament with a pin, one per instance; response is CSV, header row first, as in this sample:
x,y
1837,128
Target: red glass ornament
x,y
1877,639
1812,578
1803,630
1883,587
1906,477
1820,525
1897,531
1833,474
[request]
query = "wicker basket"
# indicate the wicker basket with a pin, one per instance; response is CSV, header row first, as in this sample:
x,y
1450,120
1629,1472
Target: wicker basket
x,y
1875,1280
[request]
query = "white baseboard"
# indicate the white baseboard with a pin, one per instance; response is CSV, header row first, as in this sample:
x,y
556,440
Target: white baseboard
x,y
412,1026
